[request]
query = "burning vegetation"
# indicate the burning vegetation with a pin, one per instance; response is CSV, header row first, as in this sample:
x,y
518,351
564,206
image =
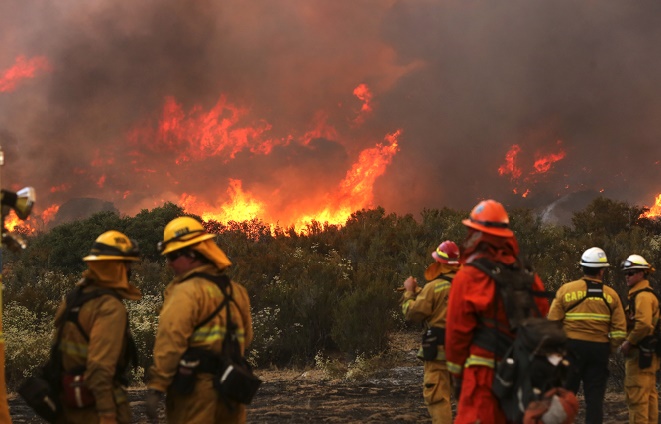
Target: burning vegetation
x,y
293,113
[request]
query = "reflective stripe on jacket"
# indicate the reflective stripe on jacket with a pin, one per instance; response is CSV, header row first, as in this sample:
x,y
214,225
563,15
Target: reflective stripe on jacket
x,y
594,319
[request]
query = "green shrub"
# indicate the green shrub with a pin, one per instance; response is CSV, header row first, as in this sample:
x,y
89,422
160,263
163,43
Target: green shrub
x,y
27,341
365,318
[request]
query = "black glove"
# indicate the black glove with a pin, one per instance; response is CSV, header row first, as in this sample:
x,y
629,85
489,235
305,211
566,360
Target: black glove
x,y
153,402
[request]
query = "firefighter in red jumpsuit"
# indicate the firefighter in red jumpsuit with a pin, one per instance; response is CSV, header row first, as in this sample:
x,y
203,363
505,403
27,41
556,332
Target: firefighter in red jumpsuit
x,y
474,302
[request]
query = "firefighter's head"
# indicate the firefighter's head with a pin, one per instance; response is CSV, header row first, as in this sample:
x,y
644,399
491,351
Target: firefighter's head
x,y
489,231
446,259
186,245
109,263
489,217
181,233
594,262
635,269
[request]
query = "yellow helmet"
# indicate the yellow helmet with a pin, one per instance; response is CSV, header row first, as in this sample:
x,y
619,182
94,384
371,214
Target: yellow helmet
x,y
113,246
182,232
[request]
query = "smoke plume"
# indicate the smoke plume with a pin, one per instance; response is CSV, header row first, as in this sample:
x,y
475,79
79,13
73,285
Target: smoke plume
x,y
311,108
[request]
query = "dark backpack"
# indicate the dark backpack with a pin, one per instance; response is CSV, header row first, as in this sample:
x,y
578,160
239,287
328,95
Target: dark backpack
x,y
42,391
531,363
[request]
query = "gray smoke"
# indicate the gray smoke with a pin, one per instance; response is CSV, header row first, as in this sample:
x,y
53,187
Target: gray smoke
x,y
463,80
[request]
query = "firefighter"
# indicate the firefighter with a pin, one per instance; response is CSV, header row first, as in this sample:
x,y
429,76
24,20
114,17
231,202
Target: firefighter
x,y
189,301
474,302
429,305
97,342
593,319
641,362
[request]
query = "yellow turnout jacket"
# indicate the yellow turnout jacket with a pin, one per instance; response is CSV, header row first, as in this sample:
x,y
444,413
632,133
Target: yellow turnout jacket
x,y
594,319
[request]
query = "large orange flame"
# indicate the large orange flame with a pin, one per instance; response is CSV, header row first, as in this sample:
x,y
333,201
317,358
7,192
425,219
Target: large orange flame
x,y
353,193
241,206
655,210
224,130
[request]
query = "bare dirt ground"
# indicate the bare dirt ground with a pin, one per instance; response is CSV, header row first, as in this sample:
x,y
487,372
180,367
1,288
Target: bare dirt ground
x,y
392,395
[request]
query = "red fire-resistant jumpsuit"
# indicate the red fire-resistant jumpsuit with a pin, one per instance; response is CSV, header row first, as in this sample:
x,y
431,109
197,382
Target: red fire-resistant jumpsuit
x,y
471,301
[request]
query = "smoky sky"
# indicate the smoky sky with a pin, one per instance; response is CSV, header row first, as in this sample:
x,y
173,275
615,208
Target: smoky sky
x,y
464,81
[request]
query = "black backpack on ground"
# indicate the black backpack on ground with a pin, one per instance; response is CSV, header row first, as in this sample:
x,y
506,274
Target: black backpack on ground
x,y
42,391
533,362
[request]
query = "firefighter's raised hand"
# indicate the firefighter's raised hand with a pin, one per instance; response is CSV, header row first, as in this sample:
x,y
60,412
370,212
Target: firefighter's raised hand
x,y
411,285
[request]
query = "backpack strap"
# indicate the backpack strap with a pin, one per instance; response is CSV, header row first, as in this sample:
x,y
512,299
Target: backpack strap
x,y
593,290
77,298
632,299
502,273
75,301
444,277
493,338
230,342
223,282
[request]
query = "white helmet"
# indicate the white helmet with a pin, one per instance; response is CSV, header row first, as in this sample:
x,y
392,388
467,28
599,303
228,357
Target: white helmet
x,y
594,257
635,262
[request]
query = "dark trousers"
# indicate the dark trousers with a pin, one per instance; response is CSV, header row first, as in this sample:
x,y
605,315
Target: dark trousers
x,y
589,364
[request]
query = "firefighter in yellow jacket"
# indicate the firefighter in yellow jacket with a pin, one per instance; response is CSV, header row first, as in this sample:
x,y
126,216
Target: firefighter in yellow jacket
x,y
593,318
95,342
187,321
641,362
429,305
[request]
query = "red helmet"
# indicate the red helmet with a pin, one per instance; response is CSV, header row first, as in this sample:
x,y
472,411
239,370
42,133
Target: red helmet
x,y
447,253
489,217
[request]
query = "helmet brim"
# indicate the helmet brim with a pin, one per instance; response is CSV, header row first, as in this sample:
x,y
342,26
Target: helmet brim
x,y
495,231
595,264
180,244
438,258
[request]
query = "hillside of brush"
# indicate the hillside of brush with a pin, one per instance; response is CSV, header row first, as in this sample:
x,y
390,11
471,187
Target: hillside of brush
x,y
325,298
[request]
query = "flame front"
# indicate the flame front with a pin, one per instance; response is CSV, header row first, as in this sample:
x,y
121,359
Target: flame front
x,y
225,131
353,193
